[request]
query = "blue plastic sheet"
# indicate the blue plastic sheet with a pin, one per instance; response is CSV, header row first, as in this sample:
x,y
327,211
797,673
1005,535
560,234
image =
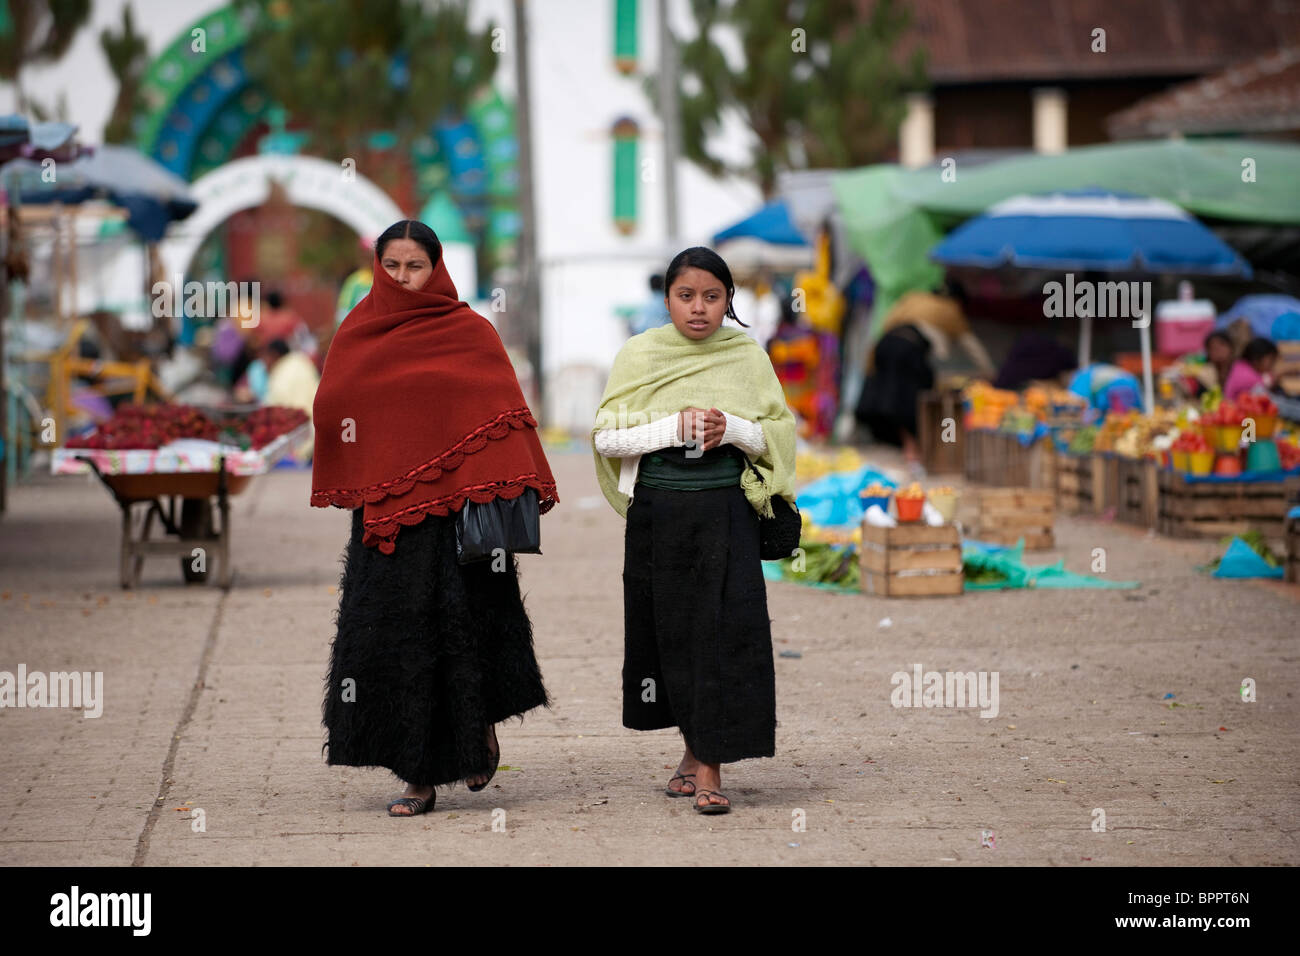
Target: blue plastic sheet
x,y
832,500
980,555
1241,561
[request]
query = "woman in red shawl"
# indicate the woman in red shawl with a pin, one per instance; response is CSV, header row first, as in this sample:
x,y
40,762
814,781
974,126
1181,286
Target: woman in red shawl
x,y
418,411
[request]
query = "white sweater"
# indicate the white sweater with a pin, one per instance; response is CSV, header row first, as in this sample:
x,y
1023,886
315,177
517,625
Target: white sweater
x,y
629,444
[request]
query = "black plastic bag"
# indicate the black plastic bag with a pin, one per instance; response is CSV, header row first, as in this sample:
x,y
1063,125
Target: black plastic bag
x,y
506,524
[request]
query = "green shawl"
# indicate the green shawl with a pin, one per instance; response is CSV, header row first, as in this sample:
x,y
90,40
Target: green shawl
x,y
661,371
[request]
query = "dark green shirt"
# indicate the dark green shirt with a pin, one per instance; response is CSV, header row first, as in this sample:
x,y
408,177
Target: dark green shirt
x,y
671,468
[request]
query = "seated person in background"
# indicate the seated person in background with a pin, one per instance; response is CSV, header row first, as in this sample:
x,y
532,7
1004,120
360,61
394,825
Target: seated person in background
x,y
1220,353
282,376
1253,371
1197,373
291,378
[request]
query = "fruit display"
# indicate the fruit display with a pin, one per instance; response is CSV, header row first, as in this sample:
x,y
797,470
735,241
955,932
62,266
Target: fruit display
x,y
996,408
987,404
1288,454
1260,409
1083,440
1192,453
813,464
1018,421
152,426
876,490
1134,435
264,425
1049,403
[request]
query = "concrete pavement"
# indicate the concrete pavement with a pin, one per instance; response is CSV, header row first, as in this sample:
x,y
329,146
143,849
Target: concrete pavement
x,y
212,701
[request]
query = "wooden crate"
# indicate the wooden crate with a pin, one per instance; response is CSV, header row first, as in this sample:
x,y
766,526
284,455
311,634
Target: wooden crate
x,y
1292,531
978,460
1079,484
912,560
998,458
1137,493
1214,509
1008,514
933,408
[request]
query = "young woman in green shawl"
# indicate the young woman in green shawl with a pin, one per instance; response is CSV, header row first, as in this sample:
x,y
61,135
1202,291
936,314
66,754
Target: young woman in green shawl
x,y
687,407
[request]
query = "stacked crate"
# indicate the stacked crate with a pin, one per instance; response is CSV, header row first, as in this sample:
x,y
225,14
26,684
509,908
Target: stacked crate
x,y
1080,484
934,409
1008,514
911,560
1214,509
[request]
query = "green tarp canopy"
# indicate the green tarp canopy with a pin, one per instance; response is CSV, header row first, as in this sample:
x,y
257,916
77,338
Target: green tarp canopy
x,y
893,216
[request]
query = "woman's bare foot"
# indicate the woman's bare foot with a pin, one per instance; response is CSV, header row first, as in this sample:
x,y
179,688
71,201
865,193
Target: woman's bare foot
x,y
709,777
683,780
698,776
494,748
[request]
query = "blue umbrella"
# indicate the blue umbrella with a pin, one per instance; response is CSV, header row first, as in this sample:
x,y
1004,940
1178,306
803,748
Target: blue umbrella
x,y
1089,229
152,195
772,224
1261,311
1092,230
766,238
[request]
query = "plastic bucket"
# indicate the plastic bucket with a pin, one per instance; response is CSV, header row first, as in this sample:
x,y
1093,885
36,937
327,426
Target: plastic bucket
x,y
945,504
909,509
1200,462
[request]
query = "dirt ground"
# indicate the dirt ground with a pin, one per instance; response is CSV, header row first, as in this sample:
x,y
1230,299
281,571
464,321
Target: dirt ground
x,y
212,701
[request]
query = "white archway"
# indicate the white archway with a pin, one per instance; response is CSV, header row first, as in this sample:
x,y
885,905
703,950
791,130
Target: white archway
x,y
245,183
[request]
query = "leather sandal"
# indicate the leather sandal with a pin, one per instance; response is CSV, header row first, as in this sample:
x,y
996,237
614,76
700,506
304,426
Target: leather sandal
x,y
710,807
416,805
496,762
680,793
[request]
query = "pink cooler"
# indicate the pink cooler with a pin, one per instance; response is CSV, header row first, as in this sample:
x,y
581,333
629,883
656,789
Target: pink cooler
x,y
1181,327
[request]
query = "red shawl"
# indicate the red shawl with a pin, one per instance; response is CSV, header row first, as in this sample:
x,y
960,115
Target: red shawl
x,y
418,409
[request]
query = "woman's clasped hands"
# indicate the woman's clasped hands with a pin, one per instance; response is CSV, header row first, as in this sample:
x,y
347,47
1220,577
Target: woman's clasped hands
x,y
704,426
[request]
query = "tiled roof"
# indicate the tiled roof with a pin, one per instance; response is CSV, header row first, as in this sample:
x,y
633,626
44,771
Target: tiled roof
x,y
1260,95
970,41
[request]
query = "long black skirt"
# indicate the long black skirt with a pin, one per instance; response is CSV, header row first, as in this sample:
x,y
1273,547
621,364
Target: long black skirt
x,y
428,654
887,404
697,640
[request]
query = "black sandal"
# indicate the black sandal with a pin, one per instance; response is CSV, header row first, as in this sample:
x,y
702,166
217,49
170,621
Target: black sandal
x,y
680,793
416,805
710,807
495,764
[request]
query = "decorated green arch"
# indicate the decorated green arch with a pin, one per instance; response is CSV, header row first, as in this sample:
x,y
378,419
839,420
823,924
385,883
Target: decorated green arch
x,y
202,108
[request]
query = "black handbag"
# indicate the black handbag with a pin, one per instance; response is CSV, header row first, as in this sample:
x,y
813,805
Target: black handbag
x,y
778,536
501,524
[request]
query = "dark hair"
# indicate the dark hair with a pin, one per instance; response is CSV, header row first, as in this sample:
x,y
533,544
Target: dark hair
x,y
1258,348
954,290
1220,335
275,298
411,229
657,282
279,346
701,257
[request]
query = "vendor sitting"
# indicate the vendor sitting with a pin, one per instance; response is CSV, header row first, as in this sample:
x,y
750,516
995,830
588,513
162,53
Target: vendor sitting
x,y
1253,372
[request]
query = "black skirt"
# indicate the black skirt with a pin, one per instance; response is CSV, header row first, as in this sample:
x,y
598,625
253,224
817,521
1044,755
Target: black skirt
x,y
902,372
697,641
433,653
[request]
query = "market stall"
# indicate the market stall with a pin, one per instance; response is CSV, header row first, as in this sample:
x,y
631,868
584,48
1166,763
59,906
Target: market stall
x,y
182,464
